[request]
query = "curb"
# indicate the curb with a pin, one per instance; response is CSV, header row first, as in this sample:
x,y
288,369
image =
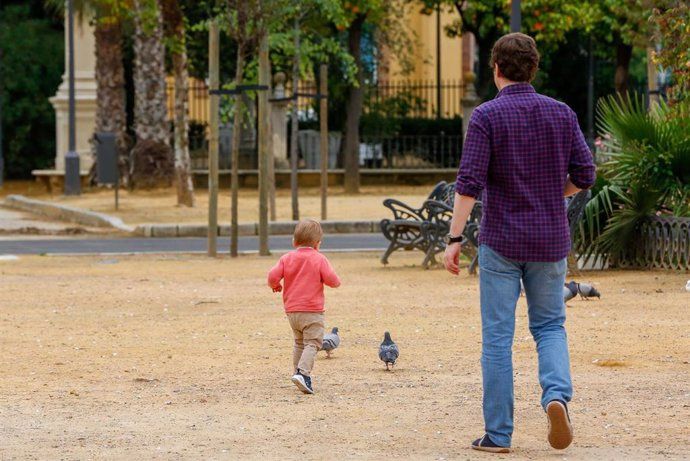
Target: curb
x,y
65,213
274,228
95,219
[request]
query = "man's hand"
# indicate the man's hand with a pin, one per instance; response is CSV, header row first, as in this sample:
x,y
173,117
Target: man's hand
x,y
451,258
277,289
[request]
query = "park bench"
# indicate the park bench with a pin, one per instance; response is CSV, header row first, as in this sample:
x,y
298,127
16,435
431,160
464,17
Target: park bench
x,y
423,228
404,231
438,226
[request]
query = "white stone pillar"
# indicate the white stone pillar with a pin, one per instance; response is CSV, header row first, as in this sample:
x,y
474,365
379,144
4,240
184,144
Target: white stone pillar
x,y
84,95
279,123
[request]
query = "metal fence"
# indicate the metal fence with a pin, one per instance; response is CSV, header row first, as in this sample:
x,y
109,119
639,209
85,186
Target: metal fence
x,y
375,152
404,98
663,243
408,98
411,151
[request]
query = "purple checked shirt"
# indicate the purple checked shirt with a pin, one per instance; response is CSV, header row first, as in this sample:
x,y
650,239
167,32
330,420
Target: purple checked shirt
x,y
519,149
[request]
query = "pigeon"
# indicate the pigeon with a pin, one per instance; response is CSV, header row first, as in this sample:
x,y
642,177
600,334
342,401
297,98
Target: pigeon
x,y
388,351
687,286
569,291
585,290
331,341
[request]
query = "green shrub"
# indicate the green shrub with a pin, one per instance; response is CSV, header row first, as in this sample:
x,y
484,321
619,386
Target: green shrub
x,y
648,172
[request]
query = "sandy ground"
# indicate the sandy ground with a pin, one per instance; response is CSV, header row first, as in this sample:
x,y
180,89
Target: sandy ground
x,y
158,206
189,358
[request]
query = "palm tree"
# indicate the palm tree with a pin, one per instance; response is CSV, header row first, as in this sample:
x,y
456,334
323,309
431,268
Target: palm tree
x,y
111,113
175,31
152,157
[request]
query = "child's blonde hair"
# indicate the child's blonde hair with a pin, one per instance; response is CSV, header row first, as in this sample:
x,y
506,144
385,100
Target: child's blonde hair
x,y
307,232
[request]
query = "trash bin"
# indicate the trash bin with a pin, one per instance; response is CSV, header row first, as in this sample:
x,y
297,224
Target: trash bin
x,y
107,171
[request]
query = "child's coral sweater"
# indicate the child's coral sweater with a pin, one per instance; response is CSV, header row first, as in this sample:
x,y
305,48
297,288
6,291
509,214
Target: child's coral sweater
x,y
305,272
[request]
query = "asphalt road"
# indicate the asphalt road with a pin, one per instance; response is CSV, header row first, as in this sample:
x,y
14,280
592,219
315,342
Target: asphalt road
x,y
339,242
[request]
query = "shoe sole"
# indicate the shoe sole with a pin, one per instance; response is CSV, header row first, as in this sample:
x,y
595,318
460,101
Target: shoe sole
x,y
492,449
560,428
301,385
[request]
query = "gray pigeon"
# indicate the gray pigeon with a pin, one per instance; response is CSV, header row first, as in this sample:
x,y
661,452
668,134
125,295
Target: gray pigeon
x,y
388,351
569,291
331,341
585,290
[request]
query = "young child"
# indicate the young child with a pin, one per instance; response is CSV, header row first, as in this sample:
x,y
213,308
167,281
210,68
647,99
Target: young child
x,y
304,271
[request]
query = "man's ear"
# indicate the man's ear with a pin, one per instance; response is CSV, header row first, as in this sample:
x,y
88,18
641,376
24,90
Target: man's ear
x,y
497,71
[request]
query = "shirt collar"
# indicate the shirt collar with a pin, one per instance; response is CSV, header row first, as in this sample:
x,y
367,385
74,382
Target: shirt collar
x,y
305,248
516,88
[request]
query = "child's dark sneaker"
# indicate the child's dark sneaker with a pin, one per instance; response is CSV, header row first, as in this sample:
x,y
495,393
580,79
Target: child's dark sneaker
x,y
303,383
486,444
560,428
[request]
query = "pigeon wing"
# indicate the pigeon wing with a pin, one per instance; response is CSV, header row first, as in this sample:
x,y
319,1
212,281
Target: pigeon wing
x,y
330,342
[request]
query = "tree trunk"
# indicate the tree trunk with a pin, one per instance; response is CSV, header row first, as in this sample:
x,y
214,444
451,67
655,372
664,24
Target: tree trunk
x,y
111,115
353,109
623,57
152,157
173,19
264,135
485,74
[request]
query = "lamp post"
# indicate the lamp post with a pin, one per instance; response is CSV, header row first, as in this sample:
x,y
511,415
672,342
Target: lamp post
x,y
590,93
439,113
72,177
515,17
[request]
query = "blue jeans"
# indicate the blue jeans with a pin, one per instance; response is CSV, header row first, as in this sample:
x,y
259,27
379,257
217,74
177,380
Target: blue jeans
x,y
499,286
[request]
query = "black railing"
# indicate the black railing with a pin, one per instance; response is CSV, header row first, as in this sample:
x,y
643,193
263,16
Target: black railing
x,y
421,152
399,98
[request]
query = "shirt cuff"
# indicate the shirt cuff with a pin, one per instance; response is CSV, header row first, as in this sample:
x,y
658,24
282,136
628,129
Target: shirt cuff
x,y
469,190
583,182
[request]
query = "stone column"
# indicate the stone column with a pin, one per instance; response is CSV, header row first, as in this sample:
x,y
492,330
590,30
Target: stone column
x,y
84,95
470,100
279,122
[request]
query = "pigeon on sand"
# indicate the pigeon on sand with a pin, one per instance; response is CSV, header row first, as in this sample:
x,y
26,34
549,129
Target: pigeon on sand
x,y
331,341
388,351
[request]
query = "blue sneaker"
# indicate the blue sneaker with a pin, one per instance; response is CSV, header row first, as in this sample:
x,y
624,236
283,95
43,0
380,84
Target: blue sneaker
x,y
486,444
302,382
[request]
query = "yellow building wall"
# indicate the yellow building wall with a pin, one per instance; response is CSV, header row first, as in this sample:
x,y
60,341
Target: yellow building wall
x,y
425,54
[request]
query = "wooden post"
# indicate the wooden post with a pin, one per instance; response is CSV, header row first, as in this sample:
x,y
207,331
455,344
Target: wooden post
x,y
294,151
323,120
271,177
264,154
271,159
235,156
213,73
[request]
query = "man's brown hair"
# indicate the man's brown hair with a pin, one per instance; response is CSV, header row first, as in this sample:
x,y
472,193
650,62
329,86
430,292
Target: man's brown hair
x,y
517,57
307,233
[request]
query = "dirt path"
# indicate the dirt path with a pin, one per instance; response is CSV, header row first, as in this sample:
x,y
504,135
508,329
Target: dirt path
x,y
186,358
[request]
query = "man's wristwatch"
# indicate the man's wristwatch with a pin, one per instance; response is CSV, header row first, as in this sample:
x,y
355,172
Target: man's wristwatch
x,y
449,238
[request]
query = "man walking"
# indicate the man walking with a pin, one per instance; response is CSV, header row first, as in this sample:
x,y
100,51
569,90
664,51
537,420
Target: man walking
x,y
524,152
